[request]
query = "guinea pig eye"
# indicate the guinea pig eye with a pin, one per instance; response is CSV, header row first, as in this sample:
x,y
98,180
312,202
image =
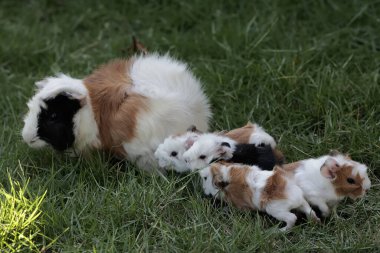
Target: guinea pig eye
x,y
173,153
205,178
202,157
350,180
53,116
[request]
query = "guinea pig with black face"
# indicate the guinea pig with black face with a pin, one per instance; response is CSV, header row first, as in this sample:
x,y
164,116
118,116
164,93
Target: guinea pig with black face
x,y
127,107
56,113
55,122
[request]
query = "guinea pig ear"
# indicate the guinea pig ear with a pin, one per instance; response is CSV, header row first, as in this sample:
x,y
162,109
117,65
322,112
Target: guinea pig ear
x,y
226,144
224,147
190,141
330,168
193,129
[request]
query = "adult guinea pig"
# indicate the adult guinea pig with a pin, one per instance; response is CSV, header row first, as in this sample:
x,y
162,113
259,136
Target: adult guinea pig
x,y
127,107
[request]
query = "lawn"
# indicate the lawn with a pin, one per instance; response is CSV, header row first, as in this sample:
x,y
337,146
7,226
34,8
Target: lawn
x,y
308,71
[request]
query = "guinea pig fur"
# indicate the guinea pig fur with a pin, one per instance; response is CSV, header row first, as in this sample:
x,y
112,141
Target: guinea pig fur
x,y
211,147
208,148
328,179
170,153
125,106
248,187
252,133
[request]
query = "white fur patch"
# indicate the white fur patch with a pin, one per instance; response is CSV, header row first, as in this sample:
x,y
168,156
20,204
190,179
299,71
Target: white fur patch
x,y
208,186
176,101
260,136
207,148
177,144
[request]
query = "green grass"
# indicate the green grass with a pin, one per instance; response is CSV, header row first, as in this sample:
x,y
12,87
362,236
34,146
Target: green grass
x,y
308,71
20,224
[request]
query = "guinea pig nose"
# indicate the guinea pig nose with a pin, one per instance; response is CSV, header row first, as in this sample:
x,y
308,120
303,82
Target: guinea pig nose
x,y
186,160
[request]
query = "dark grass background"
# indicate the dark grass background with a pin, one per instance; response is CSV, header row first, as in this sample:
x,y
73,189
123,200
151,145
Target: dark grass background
x,y
308,71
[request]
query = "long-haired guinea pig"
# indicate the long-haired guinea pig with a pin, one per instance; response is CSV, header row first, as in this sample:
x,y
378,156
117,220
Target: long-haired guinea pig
x,y
125,106
213,147
253,133
249,187
170,153
328,179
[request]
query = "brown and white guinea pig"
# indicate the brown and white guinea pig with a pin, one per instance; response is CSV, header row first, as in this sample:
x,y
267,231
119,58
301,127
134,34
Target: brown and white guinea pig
x,y
328,179
253,133
125,106
249,187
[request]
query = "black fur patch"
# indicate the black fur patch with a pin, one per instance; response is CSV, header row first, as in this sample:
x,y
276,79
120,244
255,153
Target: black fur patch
x,y
55,124
250,154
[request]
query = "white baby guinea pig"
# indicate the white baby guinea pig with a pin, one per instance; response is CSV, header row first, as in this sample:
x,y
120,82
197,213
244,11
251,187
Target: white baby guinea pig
x,y
328,179
208,148
127,107
170,153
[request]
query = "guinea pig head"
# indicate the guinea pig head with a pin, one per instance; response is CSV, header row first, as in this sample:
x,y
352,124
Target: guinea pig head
x,y
207,182
349,178
231,180
53,118
207,149
170,152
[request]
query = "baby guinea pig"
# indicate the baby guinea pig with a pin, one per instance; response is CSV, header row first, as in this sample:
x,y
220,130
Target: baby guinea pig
x,y
248,187
213,147
328,179
254,134
251,133
170,153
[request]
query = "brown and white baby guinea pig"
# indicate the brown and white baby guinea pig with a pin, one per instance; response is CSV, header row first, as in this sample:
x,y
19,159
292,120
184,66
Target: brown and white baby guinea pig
x,y
328,179
248,187
253,133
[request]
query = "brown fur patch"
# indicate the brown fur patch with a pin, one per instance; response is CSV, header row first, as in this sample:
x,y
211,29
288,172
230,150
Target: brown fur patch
x,y
291,167
279,156
115,109
274,188
242,134
237,191
342,187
